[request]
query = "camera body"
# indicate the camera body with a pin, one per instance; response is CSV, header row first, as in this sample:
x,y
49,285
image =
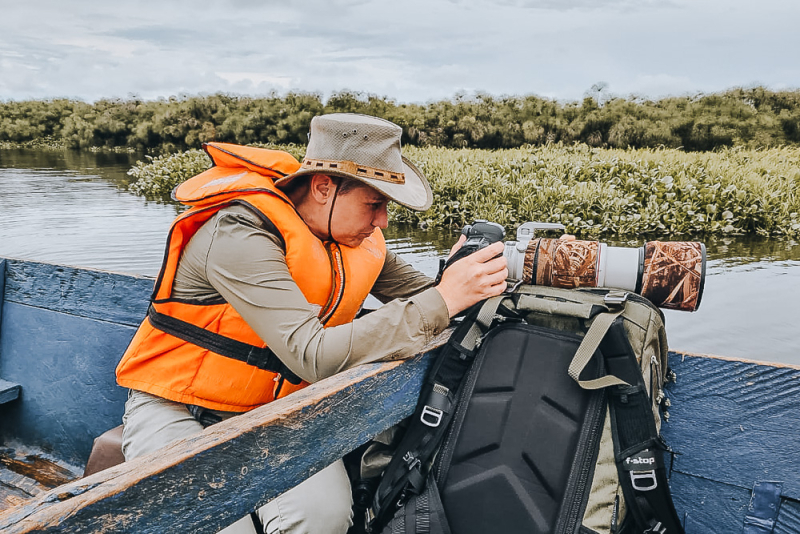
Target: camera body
x,y
481,234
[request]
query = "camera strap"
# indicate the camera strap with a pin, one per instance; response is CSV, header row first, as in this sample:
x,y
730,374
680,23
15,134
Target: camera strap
x,y
444,263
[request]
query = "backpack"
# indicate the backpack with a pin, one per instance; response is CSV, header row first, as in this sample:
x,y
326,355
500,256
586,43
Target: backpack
x,y
540,415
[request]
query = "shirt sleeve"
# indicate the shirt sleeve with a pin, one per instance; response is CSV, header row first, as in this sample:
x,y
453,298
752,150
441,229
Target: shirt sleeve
x,y
398,279
246,266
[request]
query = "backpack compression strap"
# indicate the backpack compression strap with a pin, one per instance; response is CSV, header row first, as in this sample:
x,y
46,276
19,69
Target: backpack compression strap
x,y
407,471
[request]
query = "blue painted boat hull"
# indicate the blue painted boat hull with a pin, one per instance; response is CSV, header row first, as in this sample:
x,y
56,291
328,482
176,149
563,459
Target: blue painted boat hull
x,y
733,424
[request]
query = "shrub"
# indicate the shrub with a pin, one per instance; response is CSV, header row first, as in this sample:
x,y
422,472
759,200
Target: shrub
x,y
592,191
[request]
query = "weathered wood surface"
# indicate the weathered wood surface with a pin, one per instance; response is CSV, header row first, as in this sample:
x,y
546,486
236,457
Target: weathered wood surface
x,y
8,391
206,482
65,365
25,473
732,423
2,288
62,333
101,295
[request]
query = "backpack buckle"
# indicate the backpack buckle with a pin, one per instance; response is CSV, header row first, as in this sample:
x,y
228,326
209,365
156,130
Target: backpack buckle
x,y
512,285
615,298
644,480
431,416
658,528
438,401
412,462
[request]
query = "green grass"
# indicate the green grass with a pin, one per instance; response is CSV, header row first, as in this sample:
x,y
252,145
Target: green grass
x,y
592,191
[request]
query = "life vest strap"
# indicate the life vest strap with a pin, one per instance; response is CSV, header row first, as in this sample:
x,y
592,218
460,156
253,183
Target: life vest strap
x,y
262,357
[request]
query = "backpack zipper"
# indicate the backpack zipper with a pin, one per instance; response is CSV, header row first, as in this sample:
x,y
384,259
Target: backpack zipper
x,y
576,496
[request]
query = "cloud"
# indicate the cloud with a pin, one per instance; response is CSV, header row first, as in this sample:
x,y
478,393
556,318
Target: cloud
x,y
161,36
572,5
414,52
250,81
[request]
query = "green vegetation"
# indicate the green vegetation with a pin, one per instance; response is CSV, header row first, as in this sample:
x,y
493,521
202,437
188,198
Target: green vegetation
x,y
592,191
752,118
157,176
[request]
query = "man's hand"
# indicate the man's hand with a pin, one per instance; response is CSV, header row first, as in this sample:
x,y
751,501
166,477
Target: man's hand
x,y
473,278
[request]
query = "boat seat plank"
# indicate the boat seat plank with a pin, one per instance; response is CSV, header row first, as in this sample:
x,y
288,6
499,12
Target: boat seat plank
x,y
21,482
8,391
26,473
16,489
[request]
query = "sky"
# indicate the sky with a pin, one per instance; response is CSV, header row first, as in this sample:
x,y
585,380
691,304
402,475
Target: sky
x,y
409,51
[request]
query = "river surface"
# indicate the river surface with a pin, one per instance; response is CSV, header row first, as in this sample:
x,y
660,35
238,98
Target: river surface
x,y
73,208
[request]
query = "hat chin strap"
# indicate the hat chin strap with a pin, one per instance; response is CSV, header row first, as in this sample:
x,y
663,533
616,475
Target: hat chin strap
x,y
330,213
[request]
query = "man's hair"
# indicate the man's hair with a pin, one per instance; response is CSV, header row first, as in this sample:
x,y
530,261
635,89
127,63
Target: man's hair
x,y
349,184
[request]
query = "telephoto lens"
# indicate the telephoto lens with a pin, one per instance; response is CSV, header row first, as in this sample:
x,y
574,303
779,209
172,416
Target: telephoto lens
x,y
670,274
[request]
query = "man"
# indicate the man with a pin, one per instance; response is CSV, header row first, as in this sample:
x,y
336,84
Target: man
x,y
260,287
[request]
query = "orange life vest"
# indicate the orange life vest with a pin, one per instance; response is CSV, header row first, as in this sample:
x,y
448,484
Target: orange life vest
x,y
176,354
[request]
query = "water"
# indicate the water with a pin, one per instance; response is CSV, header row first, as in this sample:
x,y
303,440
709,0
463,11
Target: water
x,y
72,208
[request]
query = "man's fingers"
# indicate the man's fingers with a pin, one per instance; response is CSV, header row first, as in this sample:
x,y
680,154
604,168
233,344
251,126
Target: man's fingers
x,y
500,287
489,252
497,287
458,244
495,265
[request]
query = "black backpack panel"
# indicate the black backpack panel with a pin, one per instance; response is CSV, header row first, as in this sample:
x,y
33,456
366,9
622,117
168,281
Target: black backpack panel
x,y
519,445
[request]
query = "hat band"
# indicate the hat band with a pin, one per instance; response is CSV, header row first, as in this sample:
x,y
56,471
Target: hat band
x,y
352,168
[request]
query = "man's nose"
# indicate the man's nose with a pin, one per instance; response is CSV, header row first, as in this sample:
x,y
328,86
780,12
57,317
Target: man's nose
x,y
381,219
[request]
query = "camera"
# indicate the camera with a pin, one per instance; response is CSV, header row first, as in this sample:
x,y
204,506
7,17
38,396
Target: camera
x,y
670,274
480,234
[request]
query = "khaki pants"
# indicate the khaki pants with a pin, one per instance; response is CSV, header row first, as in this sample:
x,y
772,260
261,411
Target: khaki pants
x,y
320,504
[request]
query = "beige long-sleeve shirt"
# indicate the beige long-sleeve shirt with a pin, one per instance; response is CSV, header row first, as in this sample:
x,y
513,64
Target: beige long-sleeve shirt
x,y
235,257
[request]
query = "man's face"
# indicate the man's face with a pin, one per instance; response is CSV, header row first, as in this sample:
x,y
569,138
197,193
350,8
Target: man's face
x,y
356,214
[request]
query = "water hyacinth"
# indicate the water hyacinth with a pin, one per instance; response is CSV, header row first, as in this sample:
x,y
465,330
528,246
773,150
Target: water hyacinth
x,y
157,177
594,192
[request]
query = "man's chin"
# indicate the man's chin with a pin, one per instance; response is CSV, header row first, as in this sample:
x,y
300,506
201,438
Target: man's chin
x,y
353,242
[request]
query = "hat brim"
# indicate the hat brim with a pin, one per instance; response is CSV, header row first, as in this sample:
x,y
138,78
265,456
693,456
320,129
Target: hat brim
x,y
414,194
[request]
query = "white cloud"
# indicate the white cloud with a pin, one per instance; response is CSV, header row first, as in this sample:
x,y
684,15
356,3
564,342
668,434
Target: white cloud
x,y
255,79
415,51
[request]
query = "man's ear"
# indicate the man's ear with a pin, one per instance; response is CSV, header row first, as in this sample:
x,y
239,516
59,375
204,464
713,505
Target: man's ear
x,y
322,188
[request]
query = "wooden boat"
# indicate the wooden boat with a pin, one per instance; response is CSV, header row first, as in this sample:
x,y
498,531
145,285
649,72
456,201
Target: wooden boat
x,y
733,425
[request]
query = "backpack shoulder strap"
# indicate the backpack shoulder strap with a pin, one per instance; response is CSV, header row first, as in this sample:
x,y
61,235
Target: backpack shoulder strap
x,y
638,448
409,467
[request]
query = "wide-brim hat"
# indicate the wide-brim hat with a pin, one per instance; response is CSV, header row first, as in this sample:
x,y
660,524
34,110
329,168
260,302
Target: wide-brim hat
x,y
367,149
